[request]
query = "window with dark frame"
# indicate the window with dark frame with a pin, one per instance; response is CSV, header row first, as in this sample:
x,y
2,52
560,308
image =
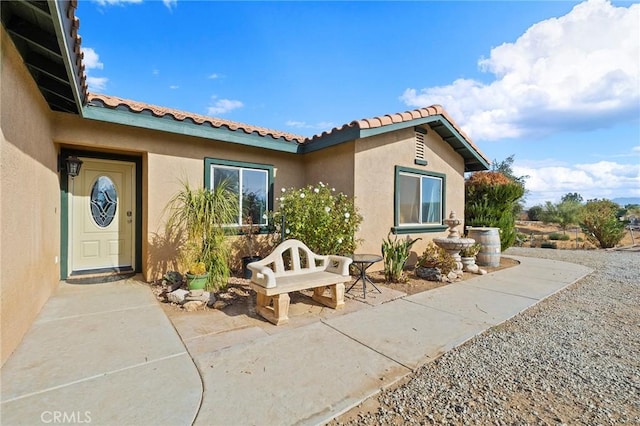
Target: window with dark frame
x,y
419,200
251,183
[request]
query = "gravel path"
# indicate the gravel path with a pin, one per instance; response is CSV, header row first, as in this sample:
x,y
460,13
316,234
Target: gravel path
x,y
572,359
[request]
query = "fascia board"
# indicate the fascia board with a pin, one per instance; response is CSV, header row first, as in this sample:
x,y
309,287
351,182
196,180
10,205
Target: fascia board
x,y
427,120
185,128
336,137
65,42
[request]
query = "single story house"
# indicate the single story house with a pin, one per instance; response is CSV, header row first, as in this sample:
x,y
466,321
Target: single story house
x,y
135,156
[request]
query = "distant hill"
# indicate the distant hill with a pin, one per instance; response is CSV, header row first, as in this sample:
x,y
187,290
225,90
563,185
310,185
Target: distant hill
x,y
623,201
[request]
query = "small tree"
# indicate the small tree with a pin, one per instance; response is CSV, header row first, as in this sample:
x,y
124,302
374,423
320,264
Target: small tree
x,y
572,196
564,214
600,223
325,221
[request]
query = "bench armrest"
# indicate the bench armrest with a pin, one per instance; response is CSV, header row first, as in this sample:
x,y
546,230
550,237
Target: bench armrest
x,y
338,265
262,275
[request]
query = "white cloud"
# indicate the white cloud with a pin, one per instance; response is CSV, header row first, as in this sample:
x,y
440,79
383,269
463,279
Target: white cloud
x,y
322,125
170,4
579,71
91,61
174,86
97,84
214,76
222,106
604,179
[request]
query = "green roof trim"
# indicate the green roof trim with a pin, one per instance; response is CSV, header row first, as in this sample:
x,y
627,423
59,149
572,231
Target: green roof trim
x,y
439,124
473,160
148,121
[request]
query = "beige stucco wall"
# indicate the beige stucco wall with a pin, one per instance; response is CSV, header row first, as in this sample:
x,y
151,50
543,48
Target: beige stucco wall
x,y
29,201
168,159
374,175
332,165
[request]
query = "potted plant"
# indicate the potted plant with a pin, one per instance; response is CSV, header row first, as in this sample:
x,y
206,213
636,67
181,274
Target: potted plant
x,y
197,276
468,257
249,232
200,214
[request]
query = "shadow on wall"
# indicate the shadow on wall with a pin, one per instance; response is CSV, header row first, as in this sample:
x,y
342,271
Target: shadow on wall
x,y
164,253
262,246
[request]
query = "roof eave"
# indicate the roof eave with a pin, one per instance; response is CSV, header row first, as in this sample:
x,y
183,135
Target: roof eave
x,y
168,124
473,160
66,37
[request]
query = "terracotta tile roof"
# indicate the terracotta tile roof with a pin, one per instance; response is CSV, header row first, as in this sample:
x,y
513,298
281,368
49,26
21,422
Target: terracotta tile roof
x,y
77,51
400,117
114,102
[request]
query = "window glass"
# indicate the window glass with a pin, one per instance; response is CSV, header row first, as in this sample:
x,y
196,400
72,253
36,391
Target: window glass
x,y
419,199
104,201
409,199
253,199
431,196
254,194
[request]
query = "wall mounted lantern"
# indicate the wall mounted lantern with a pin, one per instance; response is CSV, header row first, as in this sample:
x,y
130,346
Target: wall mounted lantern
x,y
72,165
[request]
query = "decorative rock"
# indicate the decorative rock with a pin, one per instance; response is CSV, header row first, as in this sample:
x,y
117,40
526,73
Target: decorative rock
x,y
193,305
204,297
219,304
177,296
173,286
429,274
196,292
212,300
172,280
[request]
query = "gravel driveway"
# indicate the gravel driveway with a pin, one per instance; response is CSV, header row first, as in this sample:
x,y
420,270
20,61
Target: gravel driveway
x,y
572,359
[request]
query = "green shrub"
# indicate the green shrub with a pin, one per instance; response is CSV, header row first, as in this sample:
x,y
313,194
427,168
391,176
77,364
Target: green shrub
x,y
325,221
395,254
492,200
565,213
557,236
547,244
534,213
435,256
600,223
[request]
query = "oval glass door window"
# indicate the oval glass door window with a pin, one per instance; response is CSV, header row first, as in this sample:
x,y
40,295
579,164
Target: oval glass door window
x,y
104,201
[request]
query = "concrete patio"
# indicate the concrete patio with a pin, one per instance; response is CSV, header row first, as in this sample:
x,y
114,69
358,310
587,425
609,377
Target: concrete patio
x,y
108,352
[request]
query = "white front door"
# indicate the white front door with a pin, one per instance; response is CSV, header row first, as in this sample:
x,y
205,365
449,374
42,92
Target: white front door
x,y
102,216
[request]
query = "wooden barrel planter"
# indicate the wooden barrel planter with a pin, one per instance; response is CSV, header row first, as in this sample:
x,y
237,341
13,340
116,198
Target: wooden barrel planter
x,y
489,239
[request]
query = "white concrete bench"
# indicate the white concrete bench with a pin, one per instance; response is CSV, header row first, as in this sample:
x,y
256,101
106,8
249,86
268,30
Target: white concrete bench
x,y
292,266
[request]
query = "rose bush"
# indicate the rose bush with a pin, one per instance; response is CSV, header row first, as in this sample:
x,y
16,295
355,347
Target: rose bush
x,y
324,220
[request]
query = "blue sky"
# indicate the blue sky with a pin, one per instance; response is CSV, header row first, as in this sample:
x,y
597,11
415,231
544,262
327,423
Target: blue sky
x,y
555,83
